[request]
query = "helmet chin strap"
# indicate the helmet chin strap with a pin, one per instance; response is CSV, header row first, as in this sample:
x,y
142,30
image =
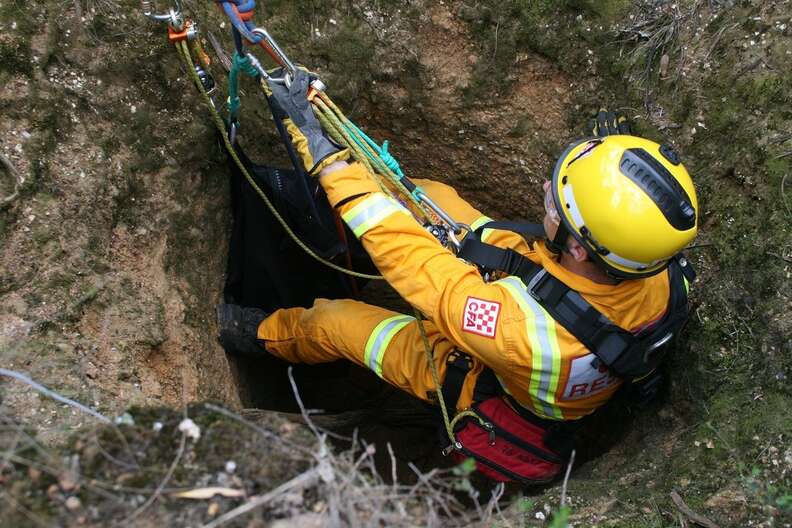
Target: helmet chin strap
x,y
558,243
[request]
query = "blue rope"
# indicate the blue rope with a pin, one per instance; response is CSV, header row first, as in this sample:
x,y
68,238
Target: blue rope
x,y
245,28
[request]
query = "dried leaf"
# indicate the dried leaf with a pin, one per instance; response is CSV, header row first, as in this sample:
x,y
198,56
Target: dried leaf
x,y
208,493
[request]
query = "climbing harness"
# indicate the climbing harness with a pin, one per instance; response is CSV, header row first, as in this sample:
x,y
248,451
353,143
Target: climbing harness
x,y
629,356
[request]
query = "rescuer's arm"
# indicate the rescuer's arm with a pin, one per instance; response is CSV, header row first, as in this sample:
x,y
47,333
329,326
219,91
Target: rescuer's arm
x,y
481,318
462,212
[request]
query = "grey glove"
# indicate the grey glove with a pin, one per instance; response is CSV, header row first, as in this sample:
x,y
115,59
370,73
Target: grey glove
x,y
315,149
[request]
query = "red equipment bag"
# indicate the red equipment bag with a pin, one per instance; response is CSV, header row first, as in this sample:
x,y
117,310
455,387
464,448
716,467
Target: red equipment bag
x,y
512,449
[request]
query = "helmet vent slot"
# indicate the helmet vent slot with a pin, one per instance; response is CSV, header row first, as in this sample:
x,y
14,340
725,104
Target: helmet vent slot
x,y
660,185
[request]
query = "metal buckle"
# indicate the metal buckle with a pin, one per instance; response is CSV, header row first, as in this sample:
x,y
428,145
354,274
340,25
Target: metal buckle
x,y
657,344
456,446
280,56
535,282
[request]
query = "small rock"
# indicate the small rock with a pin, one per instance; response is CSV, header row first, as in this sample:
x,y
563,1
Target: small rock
x,y
125,419
230,466
73,503
67,482
53,491
189,428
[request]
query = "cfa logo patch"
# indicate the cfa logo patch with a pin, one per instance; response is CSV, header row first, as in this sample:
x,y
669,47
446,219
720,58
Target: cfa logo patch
x,y
481,317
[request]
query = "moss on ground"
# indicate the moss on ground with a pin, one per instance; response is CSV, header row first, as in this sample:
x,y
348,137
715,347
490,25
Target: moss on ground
x,y
112,470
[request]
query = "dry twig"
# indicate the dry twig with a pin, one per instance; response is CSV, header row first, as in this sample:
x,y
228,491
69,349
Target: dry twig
x,y
267,434
54,395
690,514
9,167
304,480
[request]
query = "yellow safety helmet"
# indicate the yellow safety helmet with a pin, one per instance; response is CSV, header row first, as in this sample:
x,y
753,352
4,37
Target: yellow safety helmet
x,y
627,200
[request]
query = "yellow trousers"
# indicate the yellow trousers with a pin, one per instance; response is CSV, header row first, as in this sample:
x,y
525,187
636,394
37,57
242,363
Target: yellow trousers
x,y
388,343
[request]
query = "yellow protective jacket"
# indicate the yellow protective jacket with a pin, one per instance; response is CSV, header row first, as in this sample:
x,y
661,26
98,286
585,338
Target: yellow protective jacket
x,y
537,361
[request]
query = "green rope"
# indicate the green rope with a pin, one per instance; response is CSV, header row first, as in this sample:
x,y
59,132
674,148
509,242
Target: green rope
x,y
450,424
357,137
239,63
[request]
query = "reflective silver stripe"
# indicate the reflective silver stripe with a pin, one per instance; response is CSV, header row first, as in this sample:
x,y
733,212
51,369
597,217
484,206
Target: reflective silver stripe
x,y
545,351
370,212
380,338
521,404
571,206
627,263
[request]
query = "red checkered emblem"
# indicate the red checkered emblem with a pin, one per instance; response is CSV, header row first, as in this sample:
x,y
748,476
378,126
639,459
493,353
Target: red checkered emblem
x,y
481,317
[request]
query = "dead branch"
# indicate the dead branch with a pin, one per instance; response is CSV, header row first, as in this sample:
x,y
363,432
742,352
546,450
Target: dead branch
x,y
54,395
222,56
690,514
393,463
776,255
304,480
297,397
9,167
566,477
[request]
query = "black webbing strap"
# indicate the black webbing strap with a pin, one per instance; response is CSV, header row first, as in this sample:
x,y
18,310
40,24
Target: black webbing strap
x,y
580,318
489,257
627,355
458,364
523,229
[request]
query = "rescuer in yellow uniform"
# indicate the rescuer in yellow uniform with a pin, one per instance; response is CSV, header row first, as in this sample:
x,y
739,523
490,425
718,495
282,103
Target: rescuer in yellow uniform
x,y
615,238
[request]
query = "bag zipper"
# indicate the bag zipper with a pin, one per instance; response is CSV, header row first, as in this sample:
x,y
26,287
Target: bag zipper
x,y
500,469
544,455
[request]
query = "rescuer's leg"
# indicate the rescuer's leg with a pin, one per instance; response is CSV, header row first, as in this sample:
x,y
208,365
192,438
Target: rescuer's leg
x,y
388,343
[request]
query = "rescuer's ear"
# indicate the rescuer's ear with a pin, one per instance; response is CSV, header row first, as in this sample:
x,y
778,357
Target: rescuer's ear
x,y
577,251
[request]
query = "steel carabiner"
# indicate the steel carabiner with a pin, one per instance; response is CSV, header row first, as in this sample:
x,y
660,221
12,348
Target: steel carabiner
x,y
272,48
174,17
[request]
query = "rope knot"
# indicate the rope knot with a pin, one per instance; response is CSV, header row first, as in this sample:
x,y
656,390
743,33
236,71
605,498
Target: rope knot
x,y
243,64
241,14
389,160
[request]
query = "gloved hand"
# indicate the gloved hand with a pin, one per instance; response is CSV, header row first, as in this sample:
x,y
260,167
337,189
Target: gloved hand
x,y
239,328
607,123
315,149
